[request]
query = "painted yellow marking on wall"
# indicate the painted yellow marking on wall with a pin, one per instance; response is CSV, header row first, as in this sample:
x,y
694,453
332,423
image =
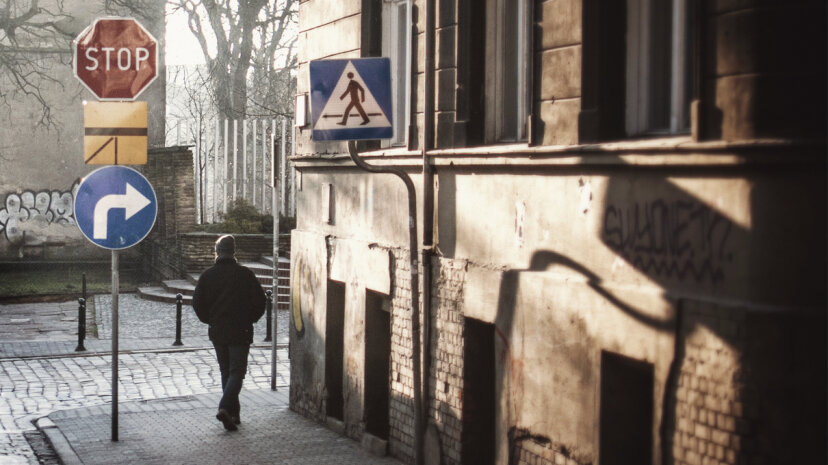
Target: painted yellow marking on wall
x,y
115,133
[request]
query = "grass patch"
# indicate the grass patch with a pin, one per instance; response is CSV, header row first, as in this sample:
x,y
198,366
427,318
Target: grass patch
x,y
58,280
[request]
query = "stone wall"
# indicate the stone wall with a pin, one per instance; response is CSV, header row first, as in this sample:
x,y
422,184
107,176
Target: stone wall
x,y
170,172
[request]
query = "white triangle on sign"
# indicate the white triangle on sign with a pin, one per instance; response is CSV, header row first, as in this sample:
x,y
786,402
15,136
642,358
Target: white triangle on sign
x,y
351,97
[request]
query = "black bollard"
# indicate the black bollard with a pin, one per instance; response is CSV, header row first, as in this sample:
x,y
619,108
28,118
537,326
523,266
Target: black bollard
x,y
269,317
81,324
178,298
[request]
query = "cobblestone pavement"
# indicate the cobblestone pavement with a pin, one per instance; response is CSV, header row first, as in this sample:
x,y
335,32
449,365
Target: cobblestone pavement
x,y
138,318
33,388
39,322
40,372
38,329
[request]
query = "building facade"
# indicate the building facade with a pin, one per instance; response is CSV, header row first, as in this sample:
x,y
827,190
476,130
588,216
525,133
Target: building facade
x,y
621,229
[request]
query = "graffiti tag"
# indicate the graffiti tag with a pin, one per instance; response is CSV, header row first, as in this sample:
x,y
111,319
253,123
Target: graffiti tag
x,y
673,239
49,207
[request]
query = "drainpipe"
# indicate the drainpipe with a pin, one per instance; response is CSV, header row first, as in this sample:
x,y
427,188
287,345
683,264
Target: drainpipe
x,y
428,199
415,295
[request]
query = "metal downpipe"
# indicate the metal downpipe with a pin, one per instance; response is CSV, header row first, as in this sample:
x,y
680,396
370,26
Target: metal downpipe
x,y
415,294
428,199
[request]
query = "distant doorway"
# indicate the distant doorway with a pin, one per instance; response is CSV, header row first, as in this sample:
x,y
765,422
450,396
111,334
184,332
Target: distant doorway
x,y
334,325
377,363
626,427
478,437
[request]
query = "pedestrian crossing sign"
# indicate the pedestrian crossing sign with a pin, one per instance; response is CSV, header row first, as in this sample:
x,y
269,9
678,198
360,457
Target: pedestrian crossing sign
x,y
351,99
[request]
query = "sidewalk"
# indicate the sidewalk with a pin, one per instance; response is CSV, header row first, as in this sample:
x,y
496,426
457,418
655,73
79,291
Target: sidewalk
x,y
184,430
168,395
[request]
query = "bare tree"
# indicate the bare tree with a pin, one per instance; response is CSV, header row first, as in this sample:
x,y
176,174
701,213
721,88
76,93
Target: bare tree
x,y
34,39
272,81
186,102
243,41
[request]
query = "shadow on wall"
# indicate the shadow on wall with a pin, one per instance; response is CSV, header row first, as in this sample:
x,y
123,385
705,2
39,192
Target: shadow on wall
x,y
770,401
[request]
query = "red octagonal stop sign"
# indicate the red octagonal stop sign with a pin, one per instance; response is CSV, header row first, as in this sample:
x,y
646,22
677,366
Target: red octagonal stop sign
x,y
116,58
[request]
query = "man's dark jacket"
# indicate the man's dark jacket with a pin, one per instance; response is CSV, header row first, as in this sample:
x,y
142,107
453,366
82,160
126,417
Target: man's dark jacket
x,y
229,298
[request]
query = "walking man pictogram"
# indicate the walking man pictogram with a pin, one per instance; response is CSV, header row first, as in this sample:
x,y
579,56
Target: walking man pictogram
x,y
357,94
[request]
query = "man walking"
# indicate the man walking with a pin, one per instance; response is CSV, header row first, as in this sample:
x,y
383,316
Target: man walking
x,y
229,298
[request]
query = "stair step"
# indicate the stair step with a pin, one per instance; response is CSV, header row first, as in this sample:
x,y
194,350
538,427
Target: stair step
x,y
158,294
263,269
265,281
268,260
175,286
258,268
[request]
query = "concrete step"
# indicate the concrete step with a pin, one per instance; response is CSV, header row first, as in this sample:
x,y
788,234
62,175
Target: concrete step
x,y
258,268
263,270
268,260
159,294
265,281
178,285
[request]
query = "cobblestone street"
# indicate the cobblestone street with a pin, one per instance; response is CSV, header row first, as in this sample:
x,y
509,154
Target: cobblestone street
x,y
40,373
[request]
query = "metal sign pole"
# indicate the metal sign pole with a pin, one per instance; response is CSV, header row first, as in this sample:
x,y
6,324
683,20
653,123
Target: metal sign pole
x,y
274,355
115,288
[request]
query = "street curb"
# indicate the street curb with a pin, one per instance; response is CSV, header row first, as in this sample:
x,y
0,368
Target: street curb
x,y
58,441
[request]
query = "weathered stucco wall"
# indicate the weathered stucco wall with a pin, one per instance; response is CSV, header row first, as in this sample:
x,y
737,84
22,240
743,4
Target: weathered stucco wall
x,y
661,266
665,292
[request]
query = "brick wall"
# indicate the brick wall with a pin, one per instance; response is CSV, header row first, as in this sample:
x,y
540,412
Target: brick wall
x,y
401,403
170,171
445,379
198,253
741,378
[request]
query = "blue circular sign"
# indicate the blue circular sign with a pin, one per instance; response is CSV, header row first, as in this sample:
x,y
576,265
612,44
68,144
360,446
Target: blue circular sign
x,y
115,207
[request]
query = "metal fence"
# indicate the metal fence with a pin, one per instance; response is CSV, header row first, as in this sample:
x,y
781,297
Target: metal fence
x,y
234,160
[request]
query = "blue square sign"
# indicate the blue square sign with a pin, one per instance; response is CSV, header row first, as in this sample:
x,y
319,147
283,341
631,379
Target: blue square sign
x,y
351,99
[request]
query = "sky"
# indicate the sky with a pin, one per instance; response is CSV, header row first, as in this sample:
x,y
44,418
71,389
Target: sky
x,y
182,47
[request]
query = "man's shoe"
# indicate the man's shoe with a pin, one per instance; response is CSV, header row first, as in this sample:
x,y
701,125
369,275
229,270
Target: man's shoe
x,y
237,419
224,417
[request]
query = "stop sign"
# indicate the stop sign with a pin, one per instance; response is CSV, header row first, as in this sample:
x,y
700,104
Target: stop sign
x,y
116,58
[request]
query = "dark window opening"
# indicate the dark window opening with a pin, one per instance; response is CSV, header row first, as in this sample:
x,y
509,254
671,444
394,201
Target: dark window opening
x,y
377,363
472,68
478,437
626,429
334,325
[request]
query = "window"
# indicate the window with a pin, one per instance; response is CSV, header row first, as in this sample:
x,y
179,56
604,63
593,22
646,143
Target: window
x,y
658,67
508,73
396,45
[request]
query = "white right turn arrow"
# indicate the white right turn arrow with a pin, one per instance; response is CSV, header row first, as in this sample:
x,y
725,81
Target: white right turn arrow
x,y
133,202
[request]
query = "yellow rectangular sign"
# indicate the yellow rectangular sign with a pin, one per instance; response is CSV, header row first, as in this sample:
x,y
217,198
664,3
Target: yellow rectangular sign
x,y
115,133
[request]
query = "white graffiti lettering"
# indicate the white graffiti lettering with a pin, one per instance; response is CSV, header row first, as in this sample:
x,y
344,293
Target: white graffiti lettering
x,y
49,207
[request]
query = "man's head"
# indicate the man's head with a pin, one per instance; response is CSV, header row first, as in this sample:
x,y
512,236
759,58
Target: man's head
x,y
225,247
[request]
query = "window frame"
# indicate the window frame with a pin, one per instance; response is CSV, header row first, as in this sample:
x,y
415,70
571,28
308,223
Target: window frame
x,y
640,70
393,40
500,127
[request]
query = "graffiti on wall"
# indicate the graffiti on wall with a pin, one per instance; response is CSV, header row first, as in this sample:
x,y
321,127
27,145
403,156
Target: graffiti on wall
x,y
678,239
303,294
42,208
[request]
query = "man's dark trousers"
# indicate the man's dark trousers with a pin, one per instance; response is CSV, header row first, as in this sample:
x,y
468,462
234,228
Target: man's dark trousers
x,y
232,360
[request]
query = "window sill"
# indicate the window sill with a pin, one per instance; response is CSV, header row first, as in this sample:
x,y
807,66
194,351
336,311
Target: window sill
x,y
667,151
